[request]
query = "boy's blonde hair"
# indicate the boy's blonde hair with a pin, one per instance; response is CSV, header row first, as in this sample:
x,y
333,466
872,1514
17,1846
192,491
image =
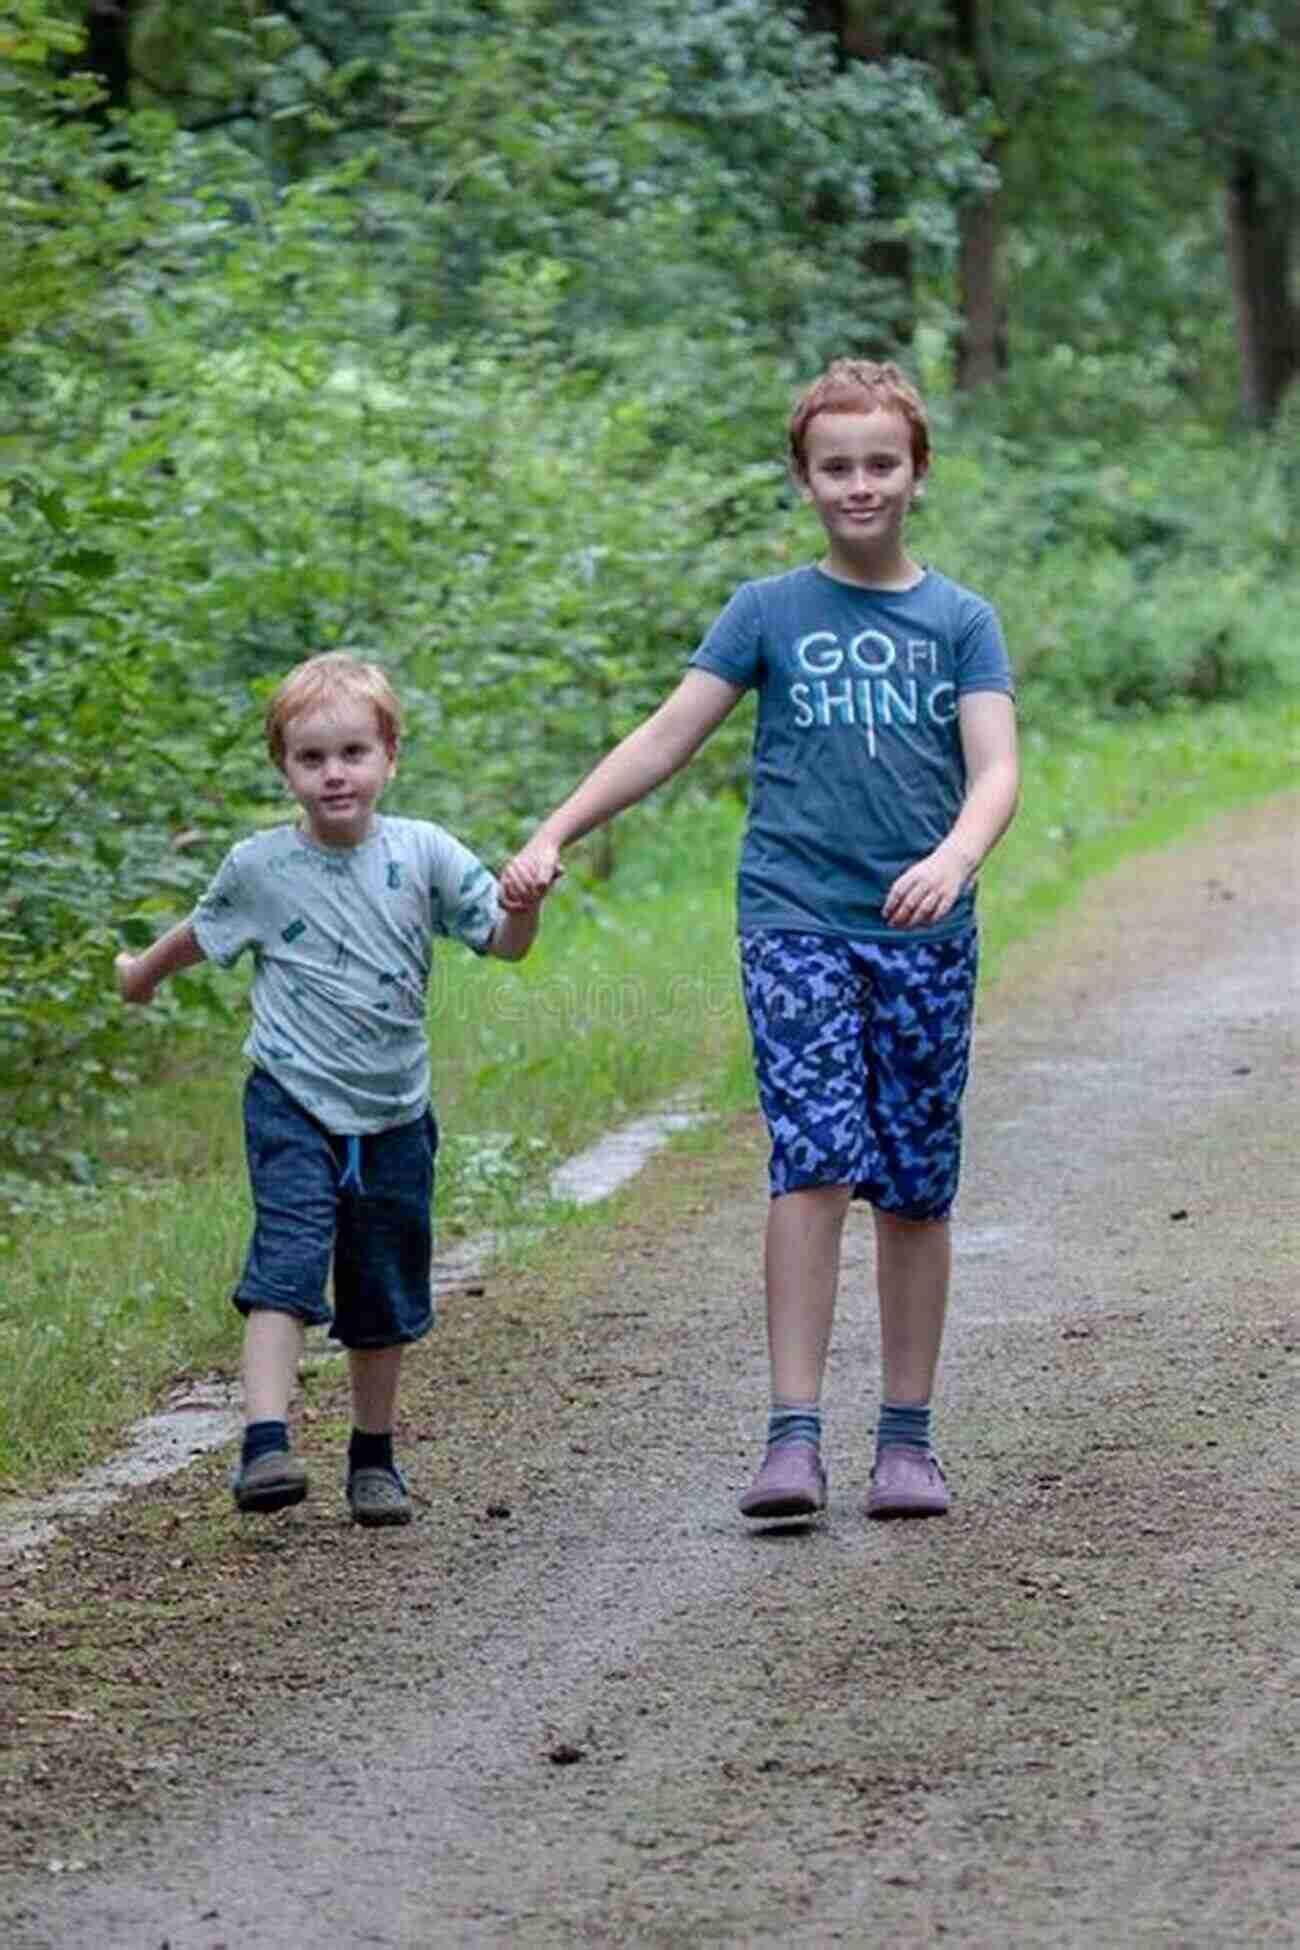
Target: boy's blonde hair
x,y
320,681
859,386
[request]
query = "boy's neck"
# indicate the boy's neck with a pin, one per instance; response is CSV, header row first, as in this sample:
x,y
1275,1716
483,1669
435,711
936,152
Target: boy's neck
x,y
897,572
306,832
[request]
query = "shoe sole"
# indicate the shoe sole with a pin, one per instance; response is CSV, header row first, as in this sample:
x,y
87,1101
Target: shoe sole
x,y
792,1509
884,1512
269,1497
381,1519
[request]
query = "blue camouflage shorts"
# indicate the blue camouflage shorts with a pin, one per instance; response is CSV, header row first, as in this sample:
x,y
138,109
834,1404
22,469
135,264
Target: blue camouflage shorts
x,y
861,1052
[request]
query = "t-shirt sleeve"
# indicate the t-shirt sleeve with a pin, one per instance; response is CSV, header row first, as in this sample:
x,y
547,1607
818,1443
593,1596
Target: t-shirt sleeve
x,y
224,921
982,660
464,896
733,647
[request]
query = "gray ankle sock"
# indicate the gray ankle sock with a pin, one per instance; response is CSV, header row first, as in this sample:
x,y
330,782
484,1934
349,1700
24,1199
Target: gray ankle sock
x,y
905,1422
794,1421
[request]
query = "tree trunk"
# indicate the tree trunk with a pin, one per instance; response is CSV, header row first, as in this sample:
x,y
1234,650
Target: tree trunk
x,y
1257,237
982,351
108,54
982,341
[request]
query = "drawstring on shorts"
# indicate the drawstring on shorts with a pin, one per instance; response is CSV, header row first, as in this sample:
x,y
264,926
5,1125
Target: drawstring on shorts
x,y
351,1179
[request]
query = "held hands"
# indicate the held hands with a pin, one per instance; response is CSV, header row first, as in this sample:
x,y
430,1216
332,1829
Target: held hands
x,y
529,877
924,893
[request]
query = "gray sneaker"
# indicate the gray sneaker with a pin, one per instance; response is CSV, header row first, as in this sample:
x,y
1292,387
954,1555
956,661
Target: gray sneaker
x,y
378,1496
273,1482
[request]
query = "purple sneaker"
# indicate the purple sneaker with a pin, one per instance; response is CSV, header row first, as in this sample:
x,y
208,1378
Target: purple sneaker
x,y
907,1482
790,1484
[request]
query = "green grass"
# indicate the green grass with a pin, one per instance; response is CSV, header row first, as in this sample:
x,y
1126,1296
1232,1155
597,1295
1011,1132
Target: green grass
x,y
629,996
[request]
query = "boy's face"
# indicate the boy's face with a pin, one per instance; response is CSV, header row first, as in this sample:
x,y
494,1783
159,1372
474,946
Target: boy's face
x,y
337,765
860,477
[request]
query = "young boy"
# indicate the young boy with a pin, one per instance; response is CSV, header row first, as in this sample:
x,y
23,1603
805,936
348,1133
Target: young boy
x,y
340,911
884,771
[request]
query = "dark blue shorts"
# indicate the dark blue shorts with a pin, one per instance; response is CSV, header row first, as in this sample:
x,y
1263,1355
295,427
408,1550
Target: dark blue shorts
x,y
378,1232
861,1051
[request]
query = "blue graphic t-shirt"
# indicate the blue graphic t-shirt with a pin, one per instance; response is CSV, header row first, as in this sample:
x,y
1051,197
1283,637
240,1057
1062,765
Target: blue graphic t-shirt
x,y
857,765
342,942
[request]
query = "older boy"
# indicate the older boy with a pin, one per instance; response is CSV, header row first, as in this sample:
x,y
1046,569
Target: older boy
x,y
884,772
340,911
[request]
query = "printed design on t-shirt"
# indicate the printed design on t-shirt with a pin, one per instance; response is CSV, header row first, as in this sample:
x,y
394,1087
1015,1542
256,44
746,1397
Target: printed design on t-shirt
x,y
394,875
294,929
475,910
402,991
871,682
415,940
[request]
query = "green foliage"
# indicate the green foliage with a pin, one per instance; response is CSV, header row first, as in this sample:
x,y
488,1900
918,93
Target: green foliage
x,y
97,821
649,158
1147,577
1124,124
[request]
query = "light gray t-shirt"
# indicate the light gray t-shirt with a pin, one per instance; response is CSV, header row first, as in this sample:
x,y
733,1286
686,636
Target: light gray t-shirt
x,y
342,941
857,765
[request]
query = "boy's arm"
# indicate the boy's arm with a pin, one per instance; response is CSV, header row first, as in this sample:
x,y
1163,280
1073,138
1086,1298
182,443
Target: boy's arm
x,y
139,975
515,932
660,746
926,891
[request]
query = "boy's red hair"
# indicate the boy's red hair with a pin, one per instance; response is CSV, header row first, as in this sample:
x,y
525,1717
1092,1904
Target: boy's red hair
x,y
859,386
323,679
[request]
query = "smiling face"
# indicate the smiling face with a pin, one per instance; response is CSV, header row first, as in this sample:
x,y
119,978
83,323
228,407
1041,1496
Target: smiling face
x,y
861,476
337,765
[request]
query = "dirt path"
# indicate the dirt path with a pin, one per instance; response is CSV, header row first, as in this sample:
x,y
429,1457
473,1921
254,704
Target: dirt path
x,y
577,1704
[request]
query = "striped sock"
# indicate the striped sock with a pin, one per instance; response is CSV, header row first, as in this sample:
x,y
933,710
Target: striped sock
x,y
794,1422
905,1422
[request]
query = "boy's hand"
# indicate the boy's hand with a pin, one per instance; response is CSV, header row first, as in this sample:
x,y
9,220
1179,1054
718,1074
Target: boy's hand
x,y
523,903
923,894
530,876
131,985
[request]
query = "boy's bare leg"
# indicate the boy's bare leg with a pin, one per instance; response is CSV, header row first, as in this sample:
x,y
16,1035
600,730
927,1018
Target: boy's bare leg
x,y
269,1477
913,1259
804,1230
375,1374
273,1344
913,1264
803,1269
